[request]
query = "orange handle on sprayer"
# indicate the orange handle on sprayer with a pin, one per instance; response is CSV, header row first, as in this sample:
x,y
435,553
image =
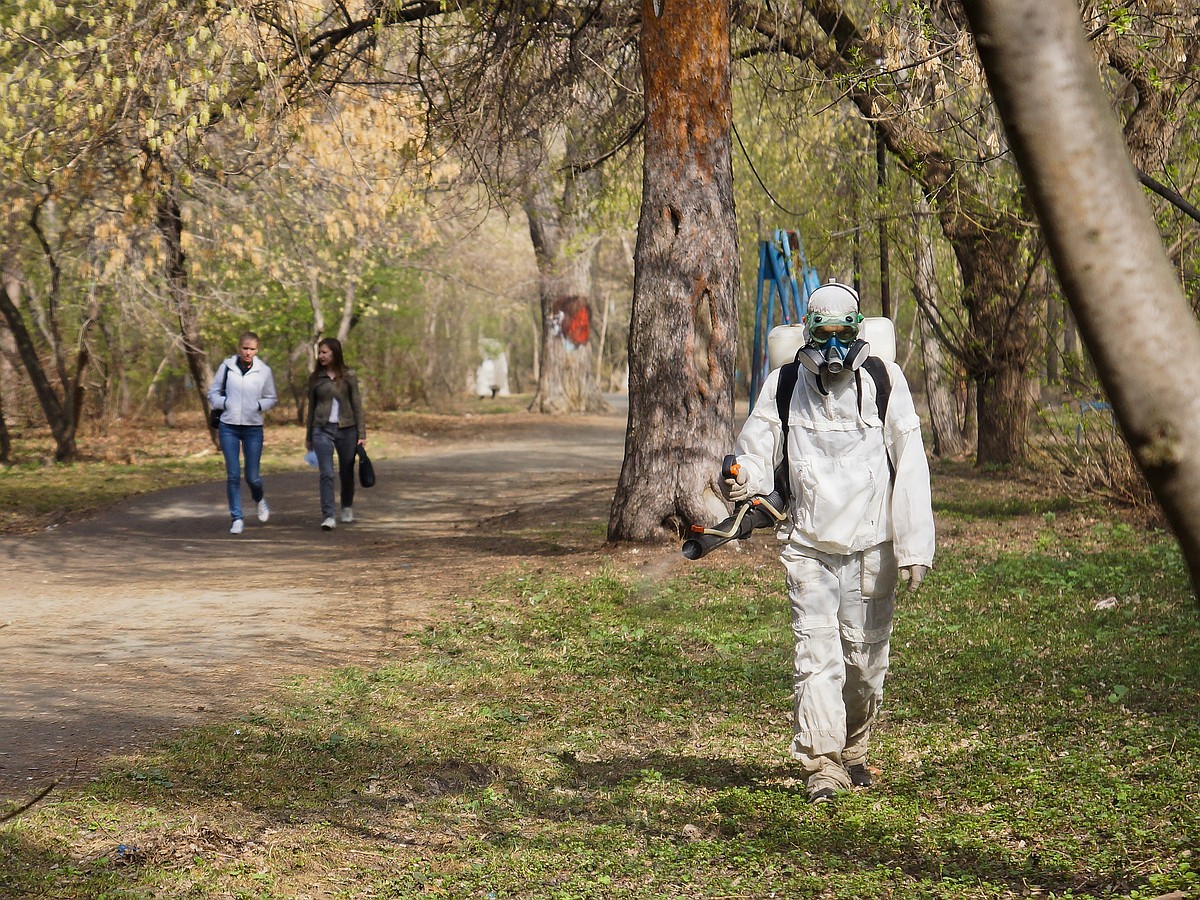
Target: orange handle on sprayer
x,y
730,467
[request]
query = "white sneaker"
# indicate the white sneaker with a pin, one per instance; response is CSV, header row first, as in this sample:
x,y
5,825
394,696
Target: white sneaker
x,y
237,527
347,513
329,524
264,511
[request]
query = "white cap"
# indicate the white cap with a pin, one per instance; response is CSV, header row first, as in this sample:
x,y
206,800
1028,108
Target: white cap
x,y
833,298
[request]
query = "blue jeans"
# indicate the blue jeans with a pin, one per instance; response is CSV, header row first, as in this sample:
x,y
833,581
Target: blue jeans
x,y
325,440
249,439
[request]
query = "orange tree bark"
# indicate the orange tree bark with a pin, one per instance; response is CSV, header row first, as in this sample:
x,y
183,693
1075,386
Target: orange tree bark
x,y
683,323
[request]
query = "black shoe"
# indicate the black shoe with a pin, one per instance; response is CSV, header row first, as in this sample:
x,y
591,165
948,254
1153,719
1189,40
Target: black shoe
x,y
824,795
860,775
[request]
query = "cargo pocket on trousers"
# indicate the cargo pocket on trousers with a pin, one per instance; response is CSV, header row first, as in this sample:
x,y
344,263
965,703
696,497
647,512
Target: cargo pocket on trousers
x,y
878,592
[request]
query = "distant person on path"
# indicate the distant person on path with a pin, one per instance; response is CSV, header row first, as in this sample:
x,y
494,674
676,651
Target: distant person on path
x,y
860,516
243,389
335,422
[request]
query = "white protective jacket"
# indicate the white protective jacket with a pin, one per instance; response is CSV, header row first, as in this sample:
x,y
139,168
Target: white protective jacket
x,y
244,398
843,497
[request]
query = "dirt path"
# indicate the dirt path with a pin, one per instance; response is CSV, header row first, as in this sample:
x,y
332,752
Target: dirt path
x,y
150,617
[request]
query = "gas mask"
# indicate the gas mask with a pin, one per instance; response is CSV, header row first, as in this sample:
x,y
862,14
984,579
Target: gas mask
x,y
833,341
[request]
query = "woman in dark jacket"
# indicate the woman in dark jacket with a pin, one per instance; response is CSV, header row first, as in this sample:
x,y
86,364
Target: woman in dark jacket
x,y
335,422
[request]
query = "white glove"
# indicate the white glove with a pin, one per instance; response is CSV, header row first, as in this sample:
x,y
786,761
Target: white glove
x,y
734,488
913,576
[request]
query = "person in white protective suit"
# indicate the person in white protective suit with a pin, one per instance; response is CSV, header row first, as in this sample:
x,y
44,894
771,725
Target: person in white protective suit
x,y
860,515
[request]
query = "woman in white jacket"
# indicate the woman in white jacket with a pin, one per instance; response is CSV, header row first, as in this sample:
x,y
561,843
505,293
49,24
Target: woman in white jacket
x,y
860,515
243,389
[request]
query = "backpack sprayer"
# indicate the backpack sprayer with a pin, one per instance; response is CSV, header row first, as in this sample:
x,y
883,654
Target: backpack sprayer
x,y
784,343
756,512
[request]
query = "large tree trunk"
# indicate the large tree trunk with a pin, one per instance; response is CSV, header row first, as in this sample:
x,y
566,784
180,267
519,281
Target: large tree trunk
x,y
683,328
1002,407
989,255
1101,234
566,374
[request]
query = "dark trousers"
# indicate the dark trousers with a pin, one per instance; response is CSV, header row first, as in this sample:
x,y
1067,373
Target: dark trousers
x,y
326,440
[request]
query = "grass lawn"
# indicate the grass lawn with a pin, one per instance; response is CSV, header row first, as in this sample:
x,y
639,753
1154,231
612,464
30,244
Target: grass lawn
x,y
617,736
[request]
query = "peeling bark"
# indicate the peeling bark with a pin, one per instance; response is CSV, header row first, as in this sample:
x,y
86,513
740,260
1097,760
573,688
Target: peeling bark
x,y
683,327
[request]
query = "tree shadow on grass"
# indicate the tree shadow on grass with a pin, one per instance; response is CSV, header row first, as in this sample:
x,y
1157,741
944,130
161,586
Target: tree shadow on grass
x,y
768,806
355,785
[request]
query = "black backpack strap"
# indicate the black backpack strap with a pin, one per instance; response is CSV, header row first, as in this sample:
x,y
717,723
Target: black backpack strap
x,y
788,375
783,403
225,380
883,385
883,392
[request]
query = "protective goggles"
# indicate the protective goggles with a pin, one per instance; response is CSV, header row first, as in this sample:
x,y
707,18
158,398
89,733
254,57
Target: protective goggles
x,y
843,326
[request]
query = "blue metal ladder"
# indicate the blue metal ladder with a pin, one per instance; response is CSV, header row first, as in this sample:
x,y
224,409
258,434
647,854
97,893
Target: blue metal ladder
x,y
777,281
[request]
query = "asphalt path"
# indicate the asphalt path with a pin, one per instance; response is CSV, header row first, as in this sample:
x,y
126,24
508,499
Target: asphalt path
x,y
150,617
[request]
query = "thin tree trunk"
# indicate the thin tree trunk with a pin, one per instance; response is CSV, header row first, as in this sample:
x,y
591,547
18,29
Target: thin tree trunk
x,y
537,342
949,439
71,385
83,357
1070,335
5,437
8,353
141,410
602,337
1101,233
169,220
1053,338
54,409
10,360
349,297
318,319
683,331
49,324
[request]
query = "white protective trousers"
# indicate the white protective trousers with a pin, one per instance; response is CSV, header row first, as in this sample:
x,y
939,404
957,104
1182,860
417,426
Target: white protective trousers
x,y
842,609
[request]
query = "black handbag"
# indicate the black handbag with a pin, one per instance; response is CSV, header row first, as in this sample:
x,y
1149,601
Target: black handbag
x,y
214,415
366,471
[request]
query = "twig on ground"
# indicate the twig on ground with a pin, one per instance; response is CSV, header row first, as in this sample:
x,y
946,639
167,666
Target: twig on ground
x,y
13,813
